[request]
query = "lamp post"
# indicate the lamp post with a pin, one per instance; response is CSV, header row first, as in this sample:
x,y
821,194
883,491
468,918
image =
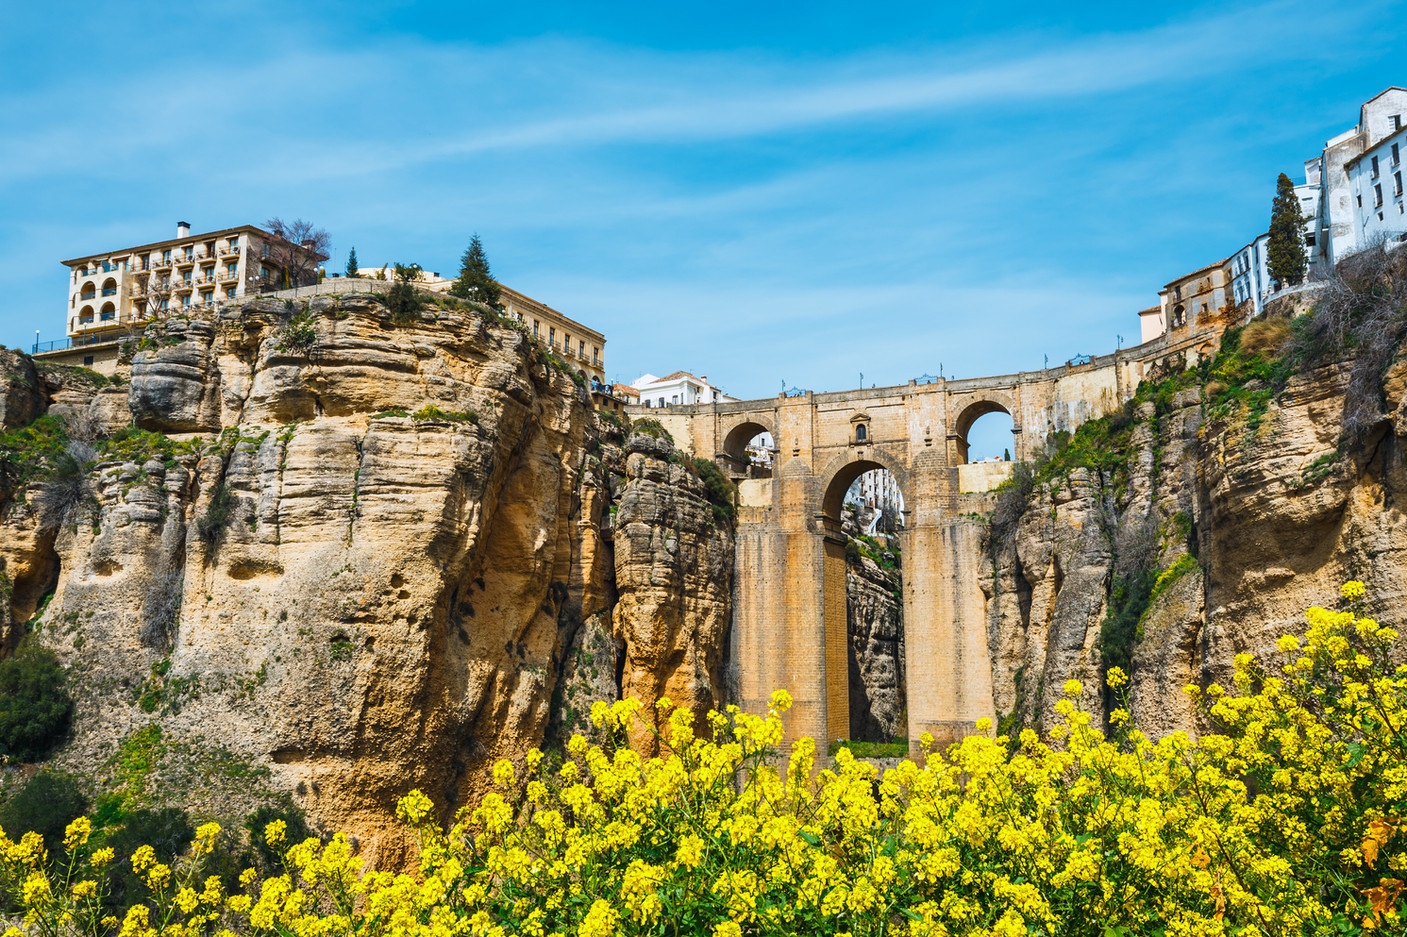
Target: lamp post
x,y
36,342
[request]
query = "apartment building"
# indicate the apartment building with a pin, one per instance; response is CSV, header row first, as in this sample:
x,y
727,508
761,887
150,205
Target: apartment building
x,y
113,292
1354,179
582,347
1249,273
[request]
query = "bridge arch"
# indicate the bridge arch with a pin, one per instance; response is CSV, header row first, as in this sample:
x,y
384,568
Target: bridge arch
x,y
733,455
971,414
838,475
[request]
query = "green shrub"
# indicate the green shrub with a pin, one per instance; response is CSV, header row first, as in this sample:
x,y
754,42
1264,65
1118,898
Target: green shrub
x,y
35,708
651,427
297,830
895,749
168,831
48,803
217,514
721,491
432,412
403,300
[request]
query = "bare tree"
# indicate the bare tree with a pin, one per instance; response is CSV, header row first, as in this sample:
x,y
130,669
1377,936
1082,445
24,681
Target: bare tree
x,y
298,247
156,291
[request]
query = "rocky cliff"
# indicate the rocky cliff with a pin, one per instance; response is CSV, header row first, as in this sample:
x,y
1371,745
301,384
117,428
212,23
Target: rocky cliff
x,y
874,626
1201,522
344,555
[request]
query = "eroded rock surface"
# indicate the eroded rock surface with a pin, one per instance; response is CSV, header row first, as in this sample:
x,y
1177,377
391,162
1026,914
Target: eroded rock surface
x,y
277,546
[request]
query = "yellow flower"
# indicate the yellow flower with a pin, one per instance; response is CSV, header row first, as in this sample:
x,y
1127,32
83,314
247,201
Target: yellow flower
x,y
101,857
277,831
503,772
1353,590
413,807
600,920
1073,688
781,701
1116,678
77,833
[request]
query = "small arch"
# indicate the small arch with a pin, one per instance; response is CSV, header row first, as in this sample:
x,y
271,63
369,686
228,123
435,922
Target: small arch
x,y
108,313
109,284
88,290
747,450
1179,317
86,313
861,432
968,417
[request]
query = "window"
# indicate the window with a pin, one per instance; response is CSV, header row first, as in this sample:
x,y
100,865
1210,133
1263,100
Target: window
x,y
536,325
234,243
1309,239
551,336
1397,180
595,355
1375,167
1378,193
661,401
860,432
229,292
1360,199
189,252
1396,121
674,398
581,352
1396,156
1177,292
166,256
87,361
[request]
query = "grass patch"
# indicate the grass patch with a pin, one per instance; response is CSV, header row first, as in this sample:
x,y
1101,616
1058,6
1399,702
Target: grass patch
x,y
432,412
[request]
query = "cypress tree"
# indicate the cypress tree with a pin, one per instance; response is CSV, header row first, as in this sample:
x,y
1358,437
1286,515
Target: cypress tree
x,y
475,282
352,263
1286,253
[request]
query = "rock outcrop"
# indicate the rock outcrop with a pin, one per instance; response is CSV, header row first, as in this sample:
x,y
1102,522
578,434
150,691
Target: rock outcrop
x,y
1249,513
874,625
364,563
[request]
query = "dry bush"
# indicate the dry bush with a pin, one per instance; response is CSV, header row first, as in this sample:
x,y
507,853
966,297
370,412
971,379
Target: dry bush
x,y
1265,337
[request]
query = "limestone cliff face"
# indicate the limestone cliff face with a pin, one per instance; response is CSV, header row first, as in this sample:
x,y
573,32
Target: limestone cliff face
x,y
876,656
364,560
1278,518
674,579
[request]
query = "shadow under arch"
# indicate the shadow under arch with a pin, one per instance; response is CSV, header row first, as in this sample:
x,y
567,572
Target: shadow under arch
x,y
971,414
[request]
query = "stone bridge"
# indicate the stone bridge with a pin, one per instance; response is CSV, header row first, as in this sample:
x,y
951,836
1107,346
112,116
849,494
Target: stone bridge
x,y
789,618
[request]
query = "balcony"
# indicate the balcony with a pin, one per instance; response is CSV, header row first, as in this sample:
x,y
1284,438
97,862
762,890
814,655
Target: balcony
x,y
225,275
184,287
229,251
186,261
163,264
205,280
87,297
110,292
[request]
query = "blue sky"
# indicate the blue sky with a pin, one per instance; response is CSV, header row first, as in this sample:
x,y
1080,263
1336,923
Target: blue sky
x,y
758,192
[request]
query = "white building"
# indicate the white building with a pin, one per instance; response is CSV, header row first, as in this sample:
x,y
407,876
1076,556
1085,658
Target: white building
x,y
1375,180
678,389
1355,203
1250,274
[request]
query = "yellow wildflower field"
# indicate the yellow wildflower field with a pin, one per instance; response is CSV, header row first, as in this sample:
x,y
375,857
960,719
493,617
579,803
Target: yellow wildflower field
x,y
1287,819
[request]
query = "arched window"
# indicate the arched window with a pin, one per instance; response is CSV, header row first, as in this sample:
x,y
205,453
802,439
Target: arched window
x,y
860,432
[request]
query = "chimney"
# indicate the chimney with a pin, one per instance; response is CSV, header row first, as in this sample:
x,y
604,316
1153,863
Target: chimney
x,y
183,229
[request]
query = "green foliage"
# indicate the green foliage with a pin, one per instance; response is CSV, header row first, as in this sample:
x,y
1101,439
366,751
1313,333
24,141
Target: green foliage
x,y
167,830
299,334
29,453
1127,603
475,282
50,801
131,767
650,427
352,262
139,445
218,513
1183,565
722,493
35,707
898,748
403,300
432,412
293,817
1286,253
388,414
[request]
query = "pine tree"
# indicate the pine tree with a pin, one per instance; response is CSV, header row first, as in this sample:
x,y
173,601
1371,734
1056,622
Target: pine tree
x,y
1285,251
352,263
475,282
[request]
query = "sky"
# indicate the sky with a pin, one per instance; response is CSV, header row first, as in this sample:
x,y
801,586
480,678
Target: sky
x,y
773,195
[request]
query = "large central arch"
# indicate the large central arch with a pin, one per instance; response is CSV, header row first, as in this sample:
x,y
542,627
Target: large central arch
x,y
835,481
